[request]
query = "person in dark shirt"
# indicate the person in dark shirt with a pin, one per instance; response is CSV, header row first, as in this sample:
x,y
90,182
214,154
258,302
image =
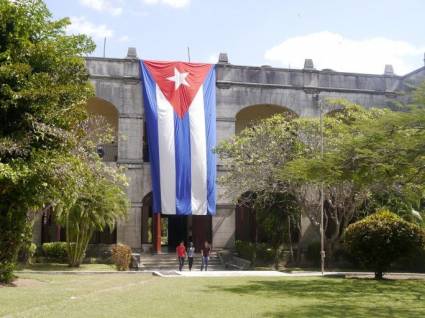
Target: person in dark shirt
x,y
181,254
205,251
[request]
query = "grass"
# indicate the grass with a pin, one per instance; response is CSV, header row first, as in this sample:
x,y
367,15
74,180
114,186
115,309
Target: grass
x,y
65,267
143,295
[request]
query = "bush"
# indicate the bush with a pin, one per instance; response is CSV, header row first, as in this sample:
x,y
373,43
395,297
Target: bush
x,y
121,256
381,239
246,250
27,253
6,273
265,253
55,251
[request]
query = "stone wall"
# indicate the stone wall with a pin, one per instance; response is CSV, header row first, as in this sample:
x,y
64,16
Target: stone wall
x,y
117,81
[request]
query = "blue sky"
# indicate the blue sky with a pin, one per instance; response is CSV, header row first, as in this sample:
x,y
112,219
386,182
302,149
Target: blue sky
x,y
357,36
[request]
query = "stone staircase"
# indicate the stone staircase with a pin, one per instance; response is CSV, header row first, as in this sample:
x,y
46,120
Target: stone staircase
x,y
168,262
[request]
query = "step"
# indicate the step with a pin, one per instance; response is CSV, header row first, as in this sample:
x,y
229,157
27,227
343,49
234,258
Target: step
x,y
158,262
176,263
175,267
174,259
186,268
169,262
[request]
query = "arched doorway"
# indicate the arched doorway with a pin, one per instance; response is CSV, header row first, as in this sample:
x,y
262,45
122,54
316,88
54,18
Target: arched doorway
x,y
101,107
165,232
246,225
50,230
250,115
246,228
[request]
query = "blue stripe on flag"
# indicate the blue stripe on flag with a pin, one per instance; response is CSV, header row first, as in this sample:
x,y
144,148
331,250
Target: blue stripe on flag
x,y
183,166
210,133
151,114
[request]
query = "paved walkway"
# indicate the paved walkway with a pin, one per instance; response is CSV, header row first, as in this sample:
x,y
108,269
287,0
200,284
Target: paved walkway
x,y
197,273
283,274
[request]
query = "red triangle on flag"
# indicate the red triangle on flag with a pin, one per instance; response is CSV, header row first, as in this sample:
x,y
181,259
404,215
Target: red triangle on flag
x,y
178,81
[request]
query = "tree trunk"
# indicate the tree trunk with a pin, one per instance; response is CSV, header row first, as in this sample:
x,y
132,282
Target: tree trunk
x,y
77,241
291,250
254,255
276,257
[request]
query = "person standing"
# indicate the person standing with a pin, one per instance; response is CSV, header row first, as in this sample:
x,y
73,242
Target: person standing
x,y
181,254
205,251
190,255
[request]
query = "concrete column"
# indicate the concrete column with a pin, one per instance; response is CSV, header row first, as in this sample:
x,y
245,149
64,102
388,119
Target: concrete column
x,y
223,227
156,233
130,146
129,230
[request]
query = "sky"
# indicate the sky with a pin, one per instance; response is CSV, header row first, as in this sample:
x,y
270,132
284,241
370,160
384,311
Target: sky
x,y
343,35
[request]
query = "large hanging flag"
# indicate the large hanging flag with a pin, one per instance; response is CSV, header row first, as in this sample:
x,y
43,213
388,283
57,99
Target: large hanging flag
x,y
179,101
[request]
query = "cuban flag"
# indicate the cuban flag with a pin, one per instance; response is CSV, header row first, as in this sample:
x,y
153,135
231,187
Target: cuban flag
x,y
179,101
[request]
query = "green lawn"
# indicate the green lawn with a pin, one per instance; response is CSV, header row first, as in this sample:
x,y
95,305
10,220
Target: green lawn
x,y
65,267
140,295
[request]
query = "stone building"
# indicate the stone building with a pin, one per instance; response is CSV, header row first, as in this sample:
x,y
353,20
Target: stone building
x,y
244,94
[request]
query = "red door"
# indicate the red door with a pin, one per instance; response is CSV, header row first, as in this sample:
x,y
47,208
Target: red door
x,y
201,230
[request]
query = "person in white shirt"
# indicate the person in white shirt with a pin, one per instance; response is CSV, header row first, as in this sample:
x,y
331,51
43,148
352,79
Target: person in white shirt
x,y
190,255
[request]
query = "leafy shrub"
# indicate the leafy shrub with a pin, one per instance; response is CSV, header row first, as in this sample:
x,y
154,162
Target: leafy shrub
x,y
246,250
6,272
27,253
265,252
121,256
382,238
55,251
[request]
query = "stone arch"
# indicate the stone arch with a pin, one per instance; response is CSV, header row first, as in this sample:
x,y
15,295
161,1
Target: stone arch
x,y
245,220
248,116
99,106
332,112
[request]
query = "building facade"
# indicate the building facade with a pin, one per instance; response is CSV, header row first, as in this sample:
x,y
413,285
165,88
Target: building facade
x,y
244,94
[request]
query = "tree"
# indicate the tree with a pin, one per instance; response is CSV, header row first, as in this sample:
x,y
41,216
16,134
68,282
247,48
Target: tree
x,y
278,216
256,158
253,160
394,200
43,91
101,201
381,239
98,199
368,154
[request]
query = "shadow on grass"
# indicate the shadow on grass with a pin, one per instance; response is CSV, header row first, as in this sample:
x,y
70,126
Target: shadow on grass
x,y
333,297
64,267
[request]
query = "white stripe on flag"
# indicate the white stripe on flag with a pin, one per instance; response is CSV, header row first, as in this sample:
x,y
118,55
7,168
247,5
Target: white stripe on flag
x,y
198,152
167,163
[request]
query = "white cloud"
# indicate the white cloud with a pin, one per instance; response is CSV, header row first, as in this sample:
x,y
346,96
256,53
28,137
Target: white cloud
x,y
332,50
171,3
82,25
213,58
108,6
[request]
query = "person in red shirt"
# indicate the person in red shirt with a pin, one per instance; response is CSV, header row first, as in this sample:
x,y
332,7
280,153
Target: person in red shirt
x,y
181,254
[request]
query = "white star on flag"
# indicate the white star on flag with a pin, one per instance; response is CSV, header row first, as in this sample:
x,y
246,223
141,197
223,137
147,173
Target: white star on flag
x,y
178,79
